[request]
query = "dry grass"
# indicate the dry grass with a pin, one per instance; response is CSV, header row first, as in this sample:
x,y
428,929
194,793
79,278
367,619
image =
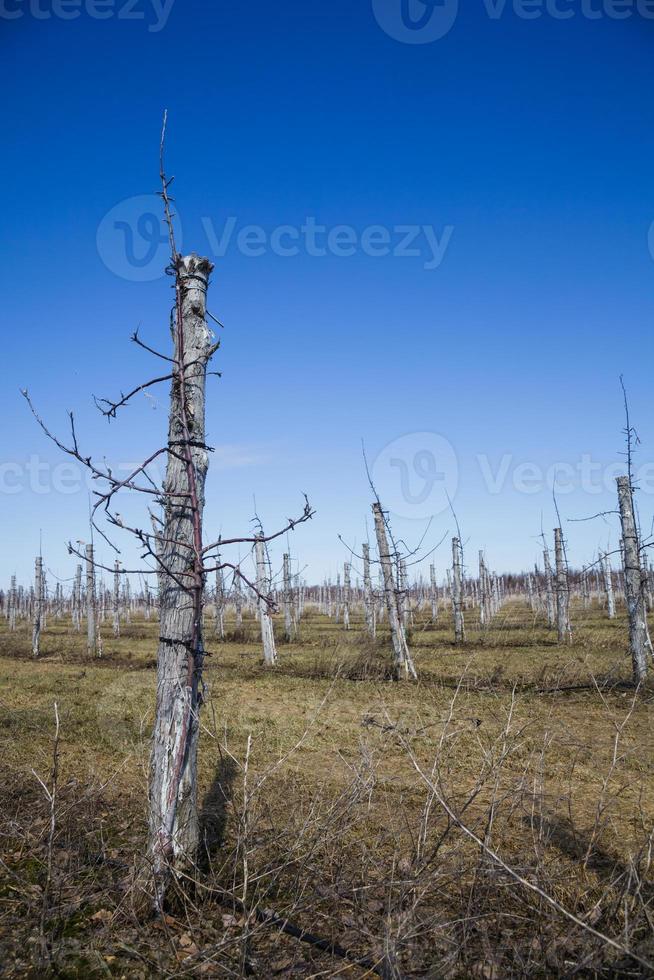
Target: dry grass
x,y
544,751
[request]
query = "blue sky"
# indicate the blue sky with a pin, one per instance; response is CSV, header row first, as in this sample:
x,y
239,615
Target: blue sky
x,y
513,155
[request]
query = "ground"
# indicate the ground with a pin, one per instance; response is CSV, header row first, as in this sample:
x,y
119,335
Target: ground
x,y
339,803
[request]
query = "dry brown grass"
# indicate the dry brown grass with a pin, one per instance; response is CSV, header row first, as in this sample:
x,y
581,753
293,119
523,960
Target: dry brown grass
x,y
544,751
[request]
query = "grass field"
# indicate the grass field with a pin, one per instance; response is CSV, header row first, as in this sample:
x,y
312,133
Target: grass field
x,y
325,795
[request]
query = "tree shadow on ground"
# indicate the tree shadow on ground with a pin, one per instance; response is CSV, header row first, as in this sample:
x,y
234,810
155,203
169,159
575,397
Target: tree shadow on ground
x,y
213,816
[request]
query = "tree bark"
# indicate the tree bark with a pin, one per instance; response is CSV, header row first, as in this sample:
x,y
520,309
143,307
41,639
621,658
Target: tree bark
x,y
265,617
457,592
91,636
173,837
116,600
288,599
549,591
402,662
608,586
633,579
564,631
368,599
38,607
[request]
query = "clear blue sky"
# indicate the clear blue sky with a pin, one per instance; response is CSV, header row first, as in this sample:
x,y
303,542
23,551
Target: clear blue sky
x,y
524,146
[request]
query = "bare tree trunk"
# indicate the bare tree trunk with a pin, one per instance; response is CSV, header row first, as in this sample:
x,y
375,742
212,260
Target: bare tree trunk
x,y
346,596
265,618
403,664
38,607
219,604
288,599
77,600
564,631
13,603
433,593
457,592
116,599
633,578
368,599
483,600
608,586
238,602
174,831
91,637
549,591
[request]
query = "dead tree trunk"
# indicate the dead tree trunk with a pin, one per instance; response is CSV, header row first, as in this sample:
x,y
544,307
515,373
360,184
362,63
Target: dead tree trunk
x,y
219,603
288,599
174,831
116,600
403,664
38,607
562,589
265,617
549,591
457,592
238,602
77,600
91,637
13,602
483,600
633,579
433,593
608,586
368,598
346,596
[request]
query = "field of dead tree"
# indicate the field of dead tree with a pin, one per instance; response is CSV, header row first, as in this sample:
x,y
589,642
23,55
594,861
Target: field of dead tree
x,y
491,820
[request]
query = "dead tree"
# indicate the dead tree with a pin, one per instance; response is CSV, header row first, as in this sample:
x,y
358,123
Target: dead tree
x,y
116,600
38,607
368,598
457,591
265,603
633,580
91,636
564,632
177,555
484,613
238,602
288,599
403,668
77,600
433,592
13,604
219,604
607,575
549,591
346,596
